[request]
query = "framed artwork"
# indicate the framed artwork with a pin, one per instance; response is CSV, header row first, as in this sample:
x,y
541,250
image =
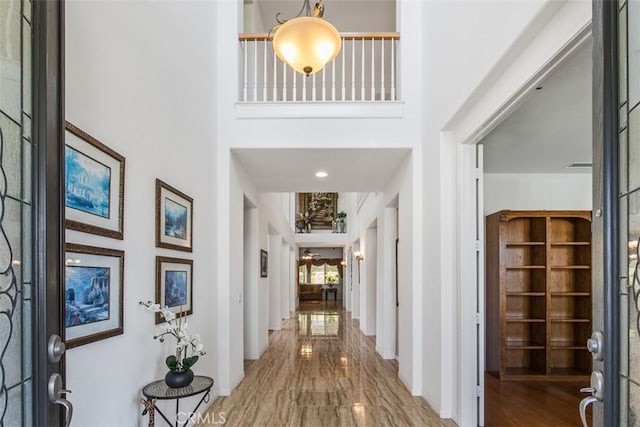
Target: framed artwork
x,y
264,262
93,293
321,209
94,185
174,285
174,218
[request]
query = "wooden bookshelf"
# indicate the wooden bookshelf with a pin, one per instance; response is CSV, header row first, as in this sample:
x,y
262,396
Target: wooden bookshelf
x,y
538,294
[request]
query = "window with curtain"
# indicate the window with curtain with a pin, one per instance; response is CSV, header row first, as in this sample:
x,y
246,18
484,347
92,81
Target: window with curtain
x,y
323,271
317,274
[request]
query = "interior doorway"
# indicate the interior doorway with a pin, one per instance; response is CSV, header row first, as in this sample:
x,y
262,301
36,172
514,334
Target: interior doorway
x,y
535,190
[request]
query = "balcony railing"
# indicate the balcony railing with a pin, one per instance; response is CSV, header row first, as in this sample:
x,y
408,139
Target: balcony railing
x,y
365,70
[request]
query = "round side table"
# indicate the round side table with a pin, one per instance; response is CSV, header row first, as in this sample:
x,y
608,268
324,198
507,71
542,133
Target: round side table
x,y
159,390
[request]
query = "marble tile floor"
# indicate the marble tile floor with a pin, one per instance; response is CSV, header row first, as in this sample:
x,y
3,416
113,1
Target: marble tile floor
x,y
320,370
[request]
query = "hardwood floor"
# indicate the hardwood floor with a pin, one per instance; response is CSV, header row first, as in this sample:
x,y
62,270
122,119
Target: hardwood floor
x,y
532,403
320,370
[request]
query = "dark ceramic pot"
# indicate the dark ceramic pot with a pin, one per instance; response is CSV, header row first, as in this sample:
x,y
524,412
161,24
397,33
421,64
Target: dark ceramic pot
x,y
178,379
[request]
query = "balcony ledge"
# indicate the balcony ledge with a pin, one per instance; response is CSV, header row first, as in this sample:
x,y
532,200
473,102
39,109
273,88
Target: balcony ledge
x,y
319,110
336,239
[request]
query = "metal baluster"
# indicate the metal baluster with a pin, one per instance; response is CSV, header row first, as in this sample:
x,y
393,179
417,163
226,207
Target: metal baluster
x,y
264,87
353,69
324,85
255,70
293,79
393,69
344,66
333,80
275,79
362,91
245,89
382,94
304,87
373,69
313,91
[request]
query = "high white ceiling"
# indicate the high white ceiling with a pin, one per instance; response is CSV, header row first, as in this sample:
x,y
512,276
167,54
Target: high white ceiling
x,y
293,170
345,15
551,129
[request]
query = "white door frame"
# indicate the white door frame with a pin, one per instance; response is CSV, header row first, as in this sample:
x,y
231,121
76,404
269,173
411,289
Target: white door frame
x,y
462,135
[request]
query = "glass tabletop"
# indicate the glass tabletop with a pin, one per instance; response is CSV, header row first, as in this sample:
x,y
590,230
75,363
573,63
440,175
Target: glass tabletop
x,y
160,390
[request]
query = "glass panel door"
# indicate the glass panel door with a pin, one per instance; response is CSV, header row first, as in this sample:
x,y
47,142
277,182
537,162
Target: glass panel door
x,y
629,183
15,214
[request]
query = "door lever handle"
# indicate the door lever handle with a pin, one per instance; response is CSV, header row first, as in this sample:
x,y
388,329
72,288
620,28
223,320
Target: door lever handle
x,y
583,408
56,393
68,409
597,395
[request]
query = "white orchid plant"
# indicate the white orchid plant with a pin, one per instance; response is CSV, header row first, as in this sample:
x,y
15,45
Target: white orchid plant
x,y
177,327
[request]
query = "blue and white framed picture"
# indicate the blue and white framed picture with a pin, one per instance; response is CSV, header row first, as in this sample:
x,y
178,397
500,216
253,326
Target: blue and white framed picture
x,y
174,218
93,294
94,185
174,285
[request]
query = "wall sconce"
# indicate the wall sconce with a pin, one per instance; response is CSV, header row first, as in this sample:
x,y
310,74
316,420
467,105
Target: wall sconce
x,y
359,256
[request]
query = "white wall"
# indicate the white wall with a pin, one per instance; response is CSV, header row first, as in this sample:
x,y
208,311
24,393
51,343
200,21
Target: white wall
x,y
285,282
370,285
138,103
252,283
386,324
537,191
293,290
275,282
357,279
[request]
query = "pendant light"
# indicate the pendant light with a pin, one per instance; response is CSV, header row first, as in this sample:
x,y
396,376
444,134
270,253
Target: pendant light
x,y
307,43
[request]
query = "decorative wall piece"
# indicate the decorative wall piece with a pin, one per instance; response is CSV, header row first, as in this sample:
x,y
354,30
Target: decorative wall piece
x,y
94,185
93,289
319,210
174,286
264,263
174,218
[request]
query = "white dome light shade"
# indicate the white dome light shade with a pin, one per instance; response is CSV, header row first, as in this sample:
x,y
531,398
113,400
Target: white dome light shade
x,y
307,44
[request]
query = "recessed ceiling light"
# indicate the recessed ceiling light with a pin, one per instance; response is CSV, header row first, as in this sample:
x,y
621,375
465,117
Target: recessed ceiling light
x,y
321,174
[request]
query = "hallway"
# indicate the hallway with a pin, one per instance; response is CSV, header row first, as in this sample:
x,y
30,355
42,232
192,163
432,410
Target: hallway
x,y
320,370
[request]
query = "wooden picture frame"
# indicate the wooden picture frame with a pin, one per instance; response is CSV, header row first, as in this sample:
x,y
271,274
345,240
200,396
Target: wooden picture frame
x,y
94,185
174,218
93,293
264,263
174,286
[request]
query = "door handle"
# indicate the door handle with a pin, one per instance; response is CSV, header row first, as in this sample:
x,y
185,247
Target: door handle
x,y
56,396
597,395
583,408
68,407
